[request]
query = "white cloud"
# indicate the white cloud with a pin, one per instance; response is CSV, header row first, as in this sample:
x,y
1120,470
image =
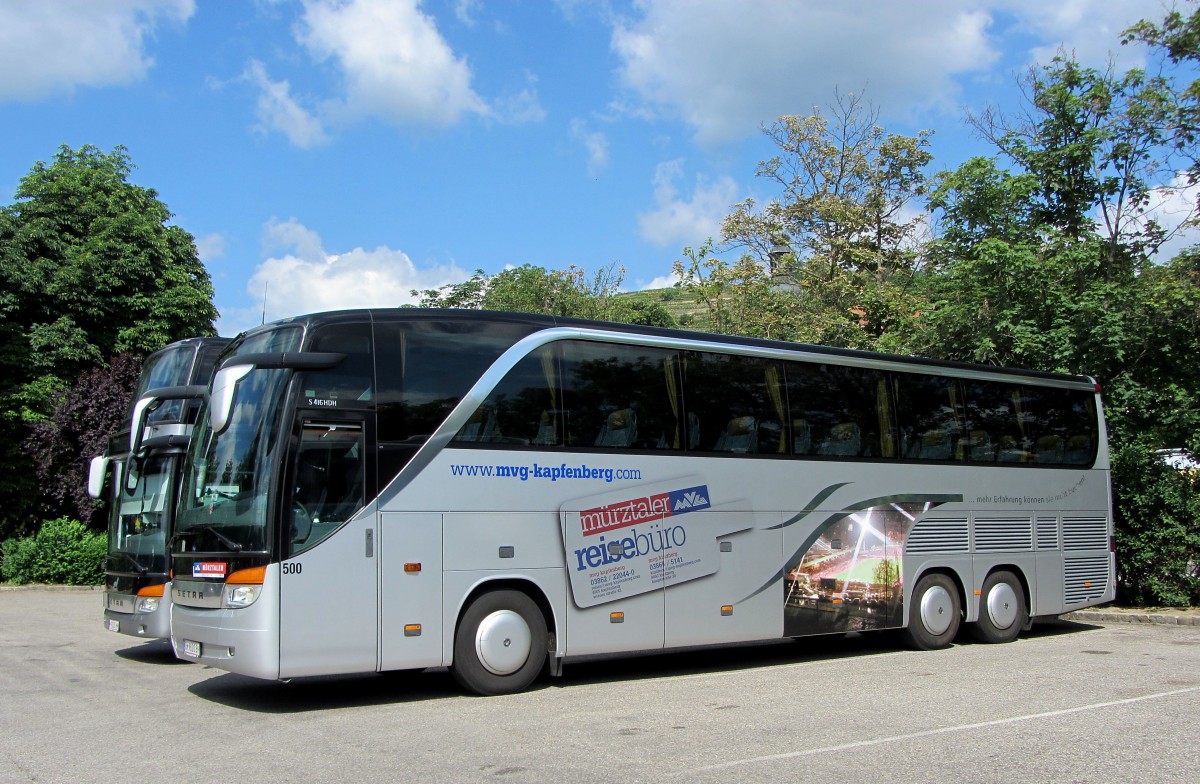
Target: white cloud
x,y
687,221
300,276
661,282
596,144
1090,29
210,246
53,47
393,62
466,10
1173,206
727,68
521,107
278,111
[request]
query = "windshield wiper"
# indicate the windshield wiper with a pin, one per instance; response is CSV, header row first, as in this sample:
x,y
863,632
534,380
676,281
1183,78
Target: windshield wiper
x,y
128,557
212,529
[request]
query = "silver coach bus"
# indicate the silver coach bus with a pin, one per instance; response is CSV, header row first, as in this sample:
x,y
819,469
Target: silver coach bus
x,y
141,491
492,492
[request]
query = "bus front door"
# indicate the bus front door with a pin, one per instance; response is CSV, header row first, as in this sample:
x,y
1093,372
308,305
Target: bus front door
x,y
328,586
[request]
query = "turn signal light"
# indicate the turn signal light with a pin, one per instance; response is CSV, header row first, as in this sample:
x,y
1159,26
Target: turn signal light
x,y
412,568
253,576
151,590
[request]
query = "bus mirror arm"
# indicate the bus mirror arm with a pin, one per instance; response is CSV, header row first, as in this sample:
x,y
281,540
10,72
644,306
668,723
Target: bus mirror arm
x,y
151,401
238,366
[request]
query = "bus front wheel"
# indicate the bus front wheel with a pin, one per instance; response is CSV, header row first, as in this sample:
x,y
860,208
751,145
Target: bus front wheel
x,y
500,644
1002,612
935,615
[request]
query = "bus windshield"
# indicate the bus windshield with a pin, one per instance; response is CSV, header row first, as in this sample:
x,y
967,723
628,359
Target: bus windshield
x,y
139,522
227,484
165,368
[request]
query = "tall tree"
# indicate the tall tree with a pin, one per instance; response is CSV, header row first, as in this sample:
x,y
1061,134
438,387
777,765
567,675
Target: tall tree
x,y
1094,142
89,268
839,234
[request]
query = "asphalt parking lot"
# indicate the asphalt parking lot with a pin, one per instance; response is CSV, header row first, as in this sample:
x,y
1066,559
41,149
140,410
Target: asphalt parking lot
x,y
1069,701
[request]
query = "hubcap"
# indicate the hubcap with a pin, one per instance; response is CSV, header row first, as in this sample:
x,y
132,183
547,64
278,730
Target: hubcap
x,y
503,642
937,610
1002,605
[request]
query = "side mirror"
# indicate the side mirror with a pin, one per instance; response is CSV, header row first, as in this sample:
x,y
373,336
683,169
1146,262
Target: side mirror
x,y
223,387
152,400
96,471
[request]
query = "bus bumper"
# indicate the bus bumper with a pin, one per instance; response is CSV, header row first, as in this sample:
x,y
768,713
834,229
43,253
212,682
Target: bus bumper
x,y
136,616
244,641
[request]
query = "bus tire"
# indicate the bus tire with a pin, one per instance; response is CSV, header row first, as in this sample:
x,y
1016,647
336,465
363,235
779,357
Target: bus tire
x,y
935,615
1002,610
500,644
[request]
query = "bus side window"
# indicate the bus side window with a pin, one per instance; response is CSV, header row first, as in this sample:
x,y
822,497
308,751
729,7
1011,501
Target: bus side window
x,y
739,403
930,416
618,397
839,407
524,408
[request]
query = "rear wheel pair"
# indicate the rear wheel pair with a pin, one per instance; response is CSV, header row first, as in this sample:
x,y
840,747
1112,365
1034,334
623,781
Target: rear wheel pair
x,y
936,613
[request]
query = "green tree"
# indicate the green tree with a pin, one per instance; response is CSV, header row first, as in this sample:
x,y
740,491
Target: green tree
x,y
531,289
1093,142
1049,267
1176,42
89,268
839,238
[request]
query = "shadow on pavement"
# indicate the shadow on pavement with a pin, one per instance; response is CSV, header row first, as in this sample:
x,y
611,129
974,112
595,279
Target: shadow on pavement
x,y
151,652
326,693
346,691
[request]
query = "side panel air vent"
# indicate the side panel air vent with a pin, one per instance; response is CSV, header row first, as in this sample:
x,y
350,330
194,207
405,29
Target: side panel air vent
x,y
947,535
1003,534
1084,579
1047,533
1085,533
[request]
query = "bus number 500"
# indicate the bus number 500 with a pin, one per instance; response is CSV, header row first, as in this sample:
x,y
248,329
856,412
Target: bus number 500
x,y
292,568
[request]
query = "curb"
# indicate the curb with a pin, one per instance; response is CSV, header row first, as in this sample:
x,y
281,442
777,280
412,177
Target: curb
x,y
1100,616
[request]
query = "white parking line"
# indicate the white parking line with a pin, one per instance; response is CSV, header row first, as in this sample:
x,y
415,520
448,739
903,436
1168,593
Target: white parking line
x,y
939,731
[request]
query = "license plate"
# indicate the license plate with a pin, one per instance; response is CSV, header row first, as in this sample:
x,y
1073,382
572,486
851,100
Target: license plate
x,y
191,648
113,626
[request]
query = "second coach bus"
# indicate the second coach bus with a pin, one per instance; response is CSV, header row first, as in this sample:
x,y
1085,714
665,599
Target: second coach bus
x,y
141,490
398,489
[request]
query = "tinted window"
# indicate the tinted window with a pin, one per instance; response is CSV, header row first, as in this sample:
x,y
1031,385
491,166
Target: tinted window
x,y
620,397
424,369
734,404
930,418
349,384
525,408
834,411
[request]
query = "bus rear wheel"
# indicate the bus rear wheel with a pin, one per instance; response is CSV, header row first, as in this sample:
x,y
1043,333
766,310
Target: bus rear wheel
x,y
1002,611
935,615
500,644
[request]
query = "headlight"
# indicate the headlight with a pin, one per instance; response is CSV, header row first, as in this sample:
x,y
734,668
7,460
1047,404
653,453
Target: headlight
x,y
147,604
240,595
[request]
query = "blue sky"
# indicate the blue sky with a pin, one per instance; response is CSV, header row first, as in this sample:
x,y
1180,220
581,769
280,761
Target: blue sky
x,y
339,153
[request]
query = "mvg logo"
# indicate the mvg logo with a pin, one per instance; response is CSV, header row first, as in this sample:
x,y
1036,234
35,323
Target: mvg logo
x,y
689,499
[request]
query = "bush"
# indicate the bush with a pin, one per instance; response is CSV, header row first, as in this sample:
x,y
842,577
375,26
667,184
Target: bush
x,y
1157,522
62,552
